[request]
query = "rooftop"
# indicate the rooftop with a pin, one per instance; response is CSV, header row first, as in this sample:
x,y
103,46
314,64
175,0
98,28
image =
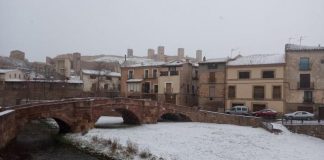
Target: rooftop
x,y
258,59
6,70
216,60
103,72
295,47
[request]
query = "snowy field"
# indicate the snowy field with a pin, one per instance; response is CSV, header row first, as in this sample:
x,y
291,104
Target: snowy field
x,y
193,141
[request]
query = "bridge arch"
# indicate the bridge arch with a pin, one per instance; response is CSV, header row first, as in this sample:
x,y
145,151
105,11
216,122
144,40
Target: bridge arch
x,y
174,116
128,116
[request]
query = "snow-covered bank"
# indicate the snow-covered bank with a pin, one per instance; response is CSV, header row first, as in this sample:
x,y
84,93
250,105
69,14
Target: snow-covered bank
x,y
186,141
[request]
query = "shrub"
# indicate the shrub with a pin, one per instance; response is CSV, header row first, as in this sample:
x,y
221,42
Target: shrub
x,y
145,153
115,145
95,139
131,147
106,142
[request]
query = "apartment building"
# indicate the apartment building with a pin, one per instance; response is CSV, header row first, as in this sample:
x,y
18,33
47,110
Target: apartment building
x,y
256,81
212,84
305,78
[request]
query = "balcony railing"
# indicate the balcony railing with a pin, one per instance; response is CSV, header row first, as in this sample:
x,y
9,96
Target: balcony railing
x,y
149,76
305,85
169,73
308,100
174,73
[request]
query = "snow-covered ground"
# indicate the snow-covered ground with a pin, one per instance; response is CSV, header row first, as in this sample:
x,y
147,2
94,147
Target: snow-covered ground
x,y
192,141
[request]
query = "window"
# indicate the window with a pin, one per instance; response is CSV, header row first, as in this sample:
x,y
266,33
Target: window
x,y
211,91
106,86
193,89
304,81
156,88
108,78
146,72
172,68
304,64
308,96
15,75
322,61
231,92
93,76
164,73
188,88
212,66
244,75
212,77
276,92
134,87
268,74
168,87
154,73
258,92
130,74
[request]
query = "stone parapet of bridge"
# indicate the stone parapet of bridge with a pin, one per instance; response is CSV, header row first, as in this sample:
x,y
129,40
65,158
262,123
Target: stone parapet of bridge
x,y
80,114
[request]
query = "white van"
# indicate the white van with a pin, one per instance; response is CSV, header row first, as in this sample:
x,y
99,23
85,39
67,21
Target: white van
x,y
240,110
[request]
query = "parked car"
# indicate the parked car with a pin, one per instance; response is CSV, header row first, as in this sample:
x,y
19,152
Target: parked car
x,y
240,110
266,113
299,115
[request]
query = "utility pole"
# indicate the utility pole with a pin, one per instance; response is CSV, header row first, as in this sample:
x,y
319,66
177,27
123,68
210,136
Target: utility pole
x,y
301,38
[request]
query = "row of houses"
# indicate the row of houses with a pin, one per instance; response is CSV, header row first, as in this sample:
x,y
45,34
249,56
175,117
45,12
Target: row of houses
x,y
19,86
283,82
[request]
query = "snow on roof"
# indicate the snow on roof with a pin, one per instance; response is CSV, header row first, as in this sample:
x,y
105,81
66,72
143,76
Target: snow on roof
x,y
258,59
6,70
75,79
103,72
121,59
14,80
147,64
294,47
6,112
216,60
134,80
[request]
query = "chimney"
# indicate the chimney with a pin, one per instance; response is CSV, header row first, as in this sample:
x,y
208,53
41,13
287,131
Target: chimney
x,y
199,55
129,52
204,59
180,53
161,50
150,53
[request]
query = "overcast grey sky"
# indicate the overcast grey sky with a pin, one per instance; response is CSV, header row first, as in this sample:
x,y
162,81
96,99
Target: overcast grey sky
x,y
46,28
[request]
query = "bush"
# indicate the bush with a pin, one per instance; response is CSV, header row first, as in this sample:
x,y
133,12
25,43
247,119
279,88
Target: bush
x,y
131,147
145,154
115,145
106,142
95,139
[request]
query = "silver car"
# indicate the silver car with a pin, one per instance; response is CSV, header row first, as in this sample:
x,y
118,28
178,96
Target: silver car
x,y
299,115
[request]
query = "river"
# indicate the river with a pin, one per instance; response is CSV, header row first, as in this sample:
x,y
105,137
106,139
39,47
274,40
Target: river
x,y
40,141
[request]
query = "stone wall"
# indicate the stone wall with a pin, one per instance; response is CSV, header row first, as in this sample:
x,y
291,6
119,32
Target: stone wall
x,y
311,130
7,127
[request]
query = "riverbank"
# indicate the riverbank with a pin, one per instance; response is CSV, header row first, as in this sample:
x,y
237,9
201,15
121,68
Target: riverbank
x,y
39,140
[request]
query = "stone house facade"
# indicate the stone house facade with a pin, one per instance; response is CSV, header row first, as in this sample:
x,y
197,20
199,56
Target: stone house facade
x,y
256,81
105,83
178,82
140,80
304,78
212,84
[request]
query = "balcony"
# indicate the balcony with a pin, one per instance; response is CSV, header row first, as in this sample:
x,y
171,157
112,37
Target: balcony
x,y
150,76
305,85
308,100
164,73
174,73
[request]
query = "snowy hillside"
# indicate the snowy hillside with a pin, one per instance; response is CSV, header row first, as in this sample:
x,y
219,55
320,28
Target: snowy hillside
x,y
121,59
206,141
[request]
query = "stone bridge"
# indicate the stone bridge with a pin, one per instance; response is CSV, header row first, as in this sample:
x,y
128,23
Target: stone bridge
x,y
80,114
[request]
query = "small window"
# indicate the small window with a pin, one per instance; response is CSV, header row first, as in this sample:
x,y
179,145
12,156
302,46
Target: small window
x,y
154,73
322,61
268,74
231,91
212,77
244,75
93,76
108,78
212,66
304,64
258,92
130,74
